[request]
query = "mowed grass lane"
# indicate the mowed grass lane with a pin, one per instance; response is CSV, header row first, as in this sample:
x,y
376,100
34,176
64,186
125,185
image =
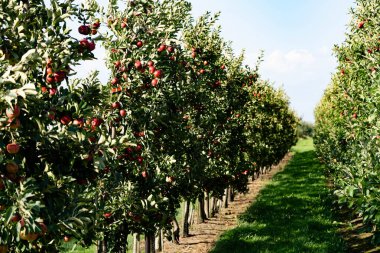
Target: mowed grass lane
x,y
292,214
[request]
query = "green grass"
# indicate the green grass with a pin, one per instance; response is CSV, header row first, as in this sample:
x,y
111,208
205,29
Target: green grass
x,y
292,214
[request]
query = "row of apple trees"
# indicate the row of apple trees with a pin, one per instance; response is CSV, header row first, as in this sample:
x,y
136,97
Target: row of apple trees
x,y
179,117
347,132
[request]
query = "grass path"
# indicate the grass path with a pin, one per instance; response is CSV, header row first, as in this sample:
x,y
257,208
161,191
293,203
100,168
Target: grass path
x,y
292,214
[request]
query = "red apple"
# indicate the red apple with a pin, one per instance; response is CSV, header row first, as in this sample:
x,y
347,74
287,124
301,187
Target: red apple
x,y
50,78
170,49
117,64
96,122
139,147
91,45
52,91
16,218
43,228
123,113
150,63
14,123
139,44
107,215
66,238
116,105
28,236
59,76
13,112
84,29
65,119
78,122
154,82
361,24
96,24
44,89
138,64
49,71
161,48
114,81
152,69
13,148
157,73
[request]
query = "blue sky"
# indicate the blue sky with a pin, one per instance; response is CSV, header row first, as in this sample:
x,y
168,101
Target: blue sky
x,y
297,37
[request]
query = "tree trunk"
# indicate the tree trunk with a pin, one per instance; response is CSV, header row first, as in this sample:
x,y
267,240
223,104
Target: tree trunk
x,y
175,231
159,244
191,215
102,246
208,204
185,229
231,194
149,243
136,243
225,197
201,209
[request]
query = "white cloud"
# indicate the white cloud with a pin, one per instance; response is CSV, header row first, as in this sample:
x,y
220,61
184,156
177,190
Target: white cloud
x,y
287,62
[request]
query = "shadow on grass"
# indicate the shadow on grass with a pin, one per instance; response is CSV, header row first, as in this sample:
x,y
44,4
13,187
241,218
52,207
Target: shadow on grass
x,y
292,214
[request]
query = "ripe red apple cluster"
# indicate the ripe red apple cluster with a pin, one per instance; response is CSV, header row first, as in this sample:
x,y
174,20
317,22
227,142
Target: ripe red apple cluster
x,y
87,44
13,113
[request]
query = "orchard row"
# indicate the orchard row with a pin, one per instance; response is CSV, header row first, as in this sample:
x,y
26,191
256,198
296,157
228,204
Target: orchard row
x,y
180,117
347,132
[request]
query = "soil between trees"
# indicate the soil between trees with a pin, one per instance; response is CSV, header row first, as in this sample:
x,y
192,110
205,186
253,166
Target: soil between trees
x,y
204,235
